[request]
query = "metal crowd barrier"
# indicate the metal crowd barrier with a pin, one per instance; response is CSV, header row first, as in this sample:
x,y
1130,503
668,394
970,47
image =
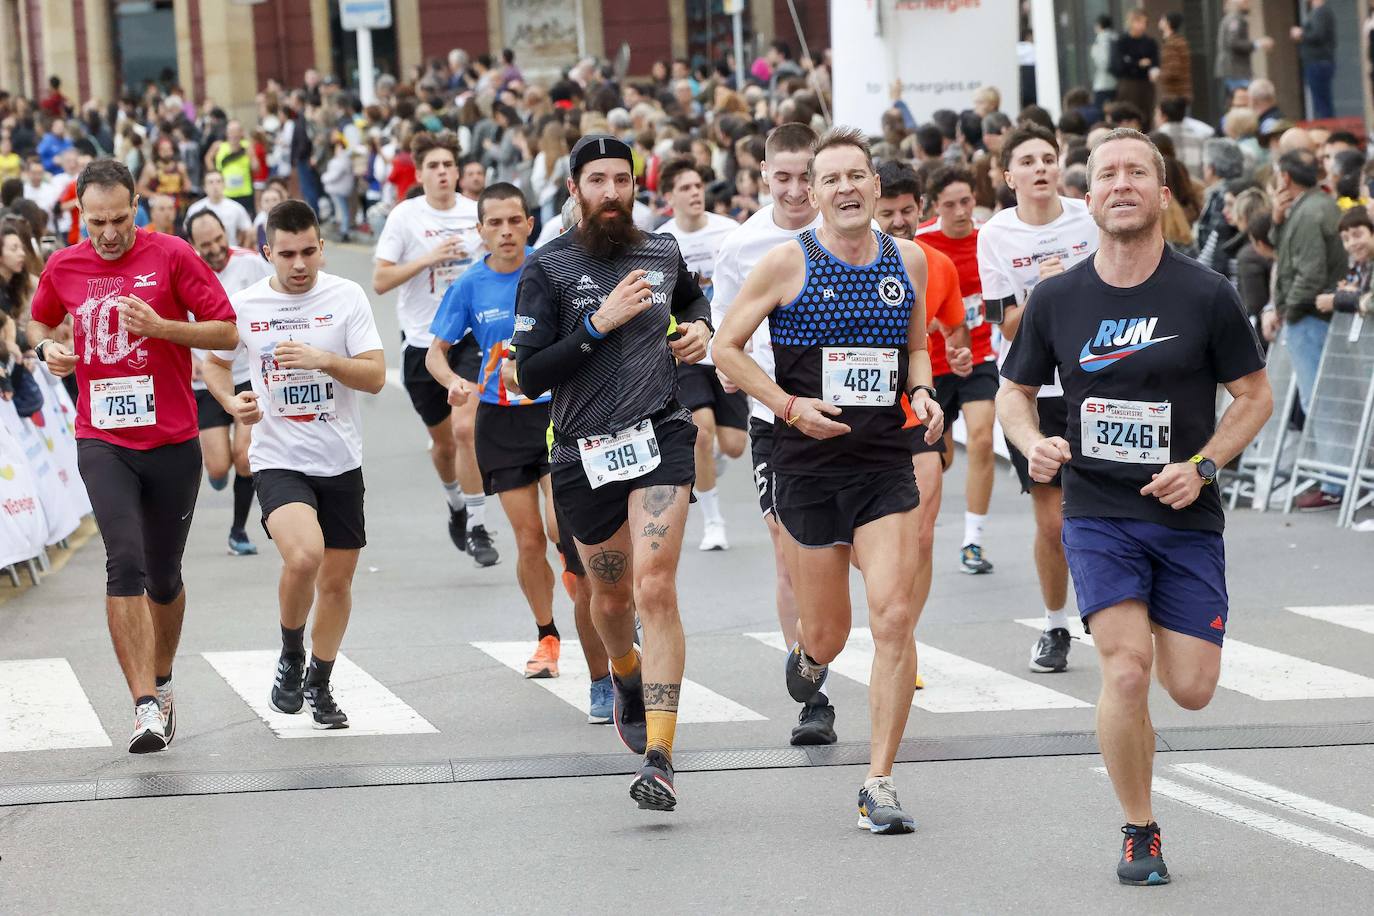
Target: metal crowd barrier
x,y
1260,462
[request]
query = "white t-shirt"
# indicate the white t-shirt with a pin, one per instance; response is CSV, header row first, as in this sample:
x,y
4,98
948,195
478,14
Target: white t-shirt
x,y
230,213
1010,252
45,195
699,248
243,269
324,438
412,229
739,253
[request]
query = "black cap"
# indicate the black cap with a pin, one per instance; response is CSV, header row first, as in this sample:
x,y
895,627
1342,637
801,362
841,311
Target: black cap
x,y
598,146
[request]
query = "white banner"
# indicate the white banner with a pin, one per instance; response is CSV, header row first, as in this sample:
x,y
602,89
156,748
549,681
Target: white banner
x,y
941,50
23,525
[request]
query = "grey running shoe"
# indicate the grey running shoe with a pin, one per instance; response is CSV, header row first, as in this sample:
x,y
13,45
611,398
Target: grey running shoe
x,y
1051,652
879,810
804,676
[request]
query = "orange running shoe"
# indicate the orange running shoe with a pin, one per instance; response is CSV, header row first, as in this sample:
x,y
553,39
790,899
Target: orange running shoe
x,y
544,662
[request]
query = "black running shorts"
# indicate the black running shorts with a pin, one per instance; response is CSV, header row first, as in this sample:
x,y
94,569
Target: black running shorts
x,y
825,511
954,392
337,501
761,453
428,397
698,386
567,545
1054,421
210,414
512,445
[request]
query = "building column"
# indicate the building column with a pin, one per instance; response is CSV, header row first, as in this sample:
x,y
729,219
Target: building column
x,y
593,28
230,58
677,20
496,32
100,60
405,17
319,28
181,17
11,43
764,25
59,49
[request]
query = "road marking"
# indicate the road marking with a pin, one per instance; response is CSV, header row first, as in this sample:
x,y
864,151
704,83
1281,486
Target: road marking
x,y
1268,675
371,708
1265,823
1355,616
42,708
697,703
1263,791
953,683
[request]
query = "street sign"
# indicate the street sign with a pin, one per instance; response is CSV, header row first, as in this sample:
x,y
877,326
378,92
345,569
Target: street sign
x,y
732,7
364,14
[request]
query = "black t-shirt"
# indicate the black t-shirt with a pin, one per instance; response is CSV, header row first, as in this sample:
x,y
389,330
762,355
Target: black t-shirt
x,y
1140,368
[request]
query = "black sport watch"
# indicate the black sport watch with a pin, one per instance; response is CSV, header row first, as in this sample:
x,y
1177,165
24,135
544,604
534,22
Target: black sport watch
x,y
1206,468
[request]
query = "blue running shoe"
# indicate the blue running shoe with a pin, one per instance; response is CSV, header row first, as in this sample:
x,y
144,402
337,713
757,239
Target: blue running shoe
x,y
879,810
804,676
240,546
1142,860
602,706
971,560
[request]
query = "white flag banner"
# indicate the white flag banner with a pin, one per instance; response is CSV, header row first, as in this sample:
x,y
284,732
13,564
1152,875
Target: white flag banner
x,y
23,526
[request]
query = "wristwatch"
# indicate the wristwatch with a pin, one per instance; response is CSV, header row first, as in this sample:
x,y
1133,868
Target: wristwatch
x,y
38,350
1206,468
926,388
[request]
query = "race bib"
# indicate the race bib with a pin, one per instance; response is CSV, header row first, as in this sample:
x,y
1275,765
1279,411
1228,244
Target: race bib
x,y
300,392
235,183
628,454
1131,432
120,403
859,376
973,310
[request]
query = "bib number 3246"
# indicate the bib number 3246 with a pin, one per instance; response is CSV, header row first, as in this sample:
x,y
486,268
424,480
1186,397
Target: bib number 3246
x,y
859,376
121,403
1131,432
630,453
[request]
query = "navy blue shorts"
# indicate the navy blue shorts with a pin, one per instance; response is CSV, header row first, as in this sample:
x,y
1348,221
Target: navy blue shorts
x,y
1180,575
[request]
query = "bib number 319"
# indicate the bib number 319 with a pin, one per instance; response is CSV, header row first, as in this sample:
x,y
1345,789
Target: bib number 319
x,y
121,403
630,453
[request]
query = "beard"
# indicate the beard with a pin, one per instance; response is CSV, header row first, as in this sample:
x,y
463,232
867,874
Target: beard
x,y
609,230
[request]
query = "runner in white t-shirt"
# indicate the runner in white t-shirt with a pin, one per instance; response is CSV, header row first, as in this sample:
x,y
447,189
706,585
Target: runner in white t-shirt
x,y
788,152
312,346
426,244
238,225
1043,235
236,269
721,417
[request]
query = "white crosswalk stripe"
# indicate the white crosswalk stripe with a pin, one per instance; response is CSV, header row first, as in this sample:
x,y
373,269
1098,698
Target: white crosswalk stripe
x,y
1263,791
371,708
956,684
1355,616
697,703
43,708
1269,675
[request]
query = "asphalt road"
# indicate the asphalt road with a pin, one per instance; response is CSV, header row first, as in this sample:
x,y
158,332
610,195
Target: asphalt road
x,y
1265,796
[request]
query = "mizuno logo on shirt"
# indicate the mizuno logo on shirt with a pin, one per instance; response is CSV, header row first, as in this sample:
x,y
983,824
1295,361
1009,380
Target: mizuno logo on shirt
x,y
1124,336
148,279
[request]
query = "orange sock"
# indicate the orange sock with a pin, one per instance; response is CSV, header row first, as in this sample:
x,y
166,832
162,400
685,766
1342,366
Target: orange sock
x,y
627,665
661,726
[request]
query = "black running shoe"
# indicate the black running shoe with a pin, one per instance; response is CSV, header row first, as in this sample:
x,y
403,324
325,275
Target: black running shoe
x,y
288,688
630,722
1051,652
816,724
1142,861
653,786
326,712
804,678
479,545
458,527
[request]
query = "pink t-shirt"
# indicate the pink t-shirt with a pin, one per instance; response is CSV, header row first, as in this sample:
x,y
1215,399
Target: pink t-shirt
x,y
163,271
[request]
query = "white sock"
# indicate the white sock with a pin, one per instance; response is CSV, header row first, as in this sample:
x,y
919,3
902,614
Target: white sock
x,y
454,494
1055,620
710,505
477,510
973,528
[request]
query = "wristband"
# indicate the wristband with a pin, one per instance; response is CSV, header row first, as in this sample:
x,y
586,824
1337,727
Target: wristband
x,y
591,329
787,412
38,350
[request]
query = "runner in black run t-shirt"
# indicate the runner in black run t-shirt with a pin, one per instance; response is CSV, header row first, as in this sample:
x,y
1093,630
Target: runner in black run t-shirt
x,y
590,313
846,315
1141,337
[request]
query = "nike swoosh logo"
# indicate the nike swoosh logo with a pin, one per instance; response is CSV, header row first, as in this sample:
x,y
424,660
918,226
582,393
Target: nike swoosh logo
x,y
1091,362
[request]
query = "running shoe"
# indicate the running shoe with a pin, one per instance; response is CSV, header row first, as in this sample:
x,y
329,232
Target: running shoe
x,y
804,677
601,709
816,723
325,711
544,662
1051,652
721,461
920,681
630,722
479,545
713,538
288,688
879,810
1141,860
971,560
458,527
240,546
653,785
167,707
148,735
1316,501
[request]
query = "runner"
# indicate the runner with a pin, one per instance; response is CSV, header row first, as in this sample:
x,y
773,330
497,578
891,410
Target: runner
x,y
312,345
426,244
1043,235
512,449
720,418
238,225
950,194
590,319
236,269
131,293
1141,337
847,320
792,212
472,178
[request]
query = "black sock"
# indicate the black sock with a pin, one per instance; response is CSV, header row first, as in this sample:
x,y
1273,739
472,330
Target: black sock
x,y
243,501
548,629
320,670
141,700
164,681
293,642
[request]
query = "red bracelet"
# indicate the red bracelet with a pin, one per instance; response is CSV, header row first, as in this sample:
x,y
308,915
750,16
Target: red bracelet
x,y
787,411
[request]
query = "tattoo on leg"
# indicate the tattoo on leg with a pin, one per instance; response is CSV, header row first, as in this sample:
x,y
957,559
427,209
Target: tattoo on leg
x,y
661,696
608,566
658,499
655,531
